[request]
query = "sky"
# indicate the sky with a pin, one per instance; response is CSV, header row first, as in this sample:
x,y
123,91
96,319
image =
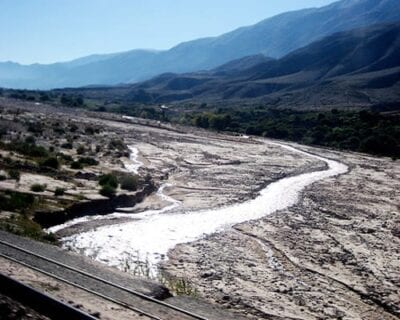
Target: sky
x,y
47,31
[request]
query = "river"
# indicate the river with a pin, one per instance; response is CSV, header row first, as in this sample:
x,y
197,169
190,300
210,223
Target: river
x,y
155,232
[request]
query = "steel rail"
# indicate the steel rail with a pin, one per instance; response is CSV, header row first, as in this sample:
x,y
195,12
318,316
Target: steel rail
x,y
121,303
40,301
133,292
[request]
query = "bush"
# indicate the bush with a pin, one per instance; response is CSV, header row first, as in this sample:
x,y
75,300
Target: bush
x,y
27,149
65,157
14,201
14,174
89,130
109,179
30,139
67,145
107,191
2,178
38,187
80,150
73,128
22,225
88,161
76,165
59,192
129,183
51,162
116,144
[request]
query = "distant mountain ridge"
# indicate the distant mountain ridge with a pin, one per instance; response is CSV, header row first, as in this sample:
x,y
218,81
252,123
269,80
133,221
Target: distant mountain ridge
x,y
273,37
356,67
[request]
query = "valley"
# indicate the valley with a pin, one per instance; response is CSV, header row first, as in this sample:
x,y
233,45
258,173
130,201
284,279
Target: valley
x,y
246,167
308,261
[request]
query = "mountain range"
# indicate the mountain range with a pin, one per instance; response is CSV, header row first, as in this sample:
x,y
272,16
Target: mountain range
x,y
360,67
274,37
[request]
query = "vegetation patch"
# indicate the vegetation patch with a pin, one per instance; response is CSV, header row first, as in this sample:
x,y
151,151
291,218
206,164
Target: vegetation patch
x,y
129,182
22,225
38,187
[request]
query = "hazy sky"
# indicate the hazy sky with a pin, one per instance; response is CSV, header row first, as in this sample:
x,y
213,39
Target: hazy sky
x,y
58,30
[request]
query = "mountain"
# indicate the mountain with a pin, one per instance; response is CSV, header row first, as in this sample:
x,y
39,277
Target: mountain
x,y
273,37
356,67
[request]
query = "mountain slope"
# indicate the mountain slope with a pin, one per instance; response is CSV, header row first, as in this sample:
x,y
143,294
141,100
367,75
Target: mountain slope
x,y
273,37
360,66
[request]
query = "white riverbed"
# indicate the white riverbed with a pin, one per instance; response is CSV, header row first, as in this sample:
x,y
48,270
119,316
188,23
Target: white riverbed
x,y
150,238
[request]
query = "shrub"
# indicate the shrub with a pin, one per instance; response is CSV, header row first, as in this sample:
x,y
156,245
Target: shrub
x,y
129,183
88,161
27,149
21,224
14,174
73,127
51,162
38,187
35,127
30,140
109,179
76,165
80,150
14,201
116,144
65,157
107,191
59,192
2,178
89,130
67,145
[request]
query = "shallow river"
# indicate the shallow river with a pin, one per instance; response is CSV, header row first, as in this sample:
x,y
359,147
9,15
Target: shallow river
x,y
157,231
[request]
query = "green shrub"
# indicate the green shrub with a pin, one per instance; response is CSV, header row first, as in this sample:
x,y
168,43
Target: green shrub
x,y
76,165
65,157
129,183
14,174
51,162
15,201
107,191
88,161
30,139
116,144
89,130
67,145
80,150
27,149
73,128
22,225
59,192
109,179
38,187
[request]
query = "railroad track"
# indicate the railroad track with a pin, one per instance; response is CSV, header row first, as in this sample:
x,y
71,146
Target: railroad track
x,y
135,301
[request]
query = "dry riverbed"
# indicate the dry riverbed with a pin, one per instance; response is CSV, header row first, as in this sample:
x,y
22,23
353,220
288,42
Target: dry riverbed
x,y
333,255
